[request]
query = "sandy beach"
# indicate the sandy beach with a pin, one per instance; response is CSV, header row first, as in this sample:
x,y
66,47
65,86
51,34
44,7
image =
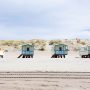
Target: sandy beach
x,y
42,62
45,84
74,82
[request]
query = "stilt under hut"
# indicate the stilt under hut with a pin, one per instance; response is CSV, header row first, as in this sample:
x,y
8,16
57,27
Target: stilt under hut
x,y
27,51
60,51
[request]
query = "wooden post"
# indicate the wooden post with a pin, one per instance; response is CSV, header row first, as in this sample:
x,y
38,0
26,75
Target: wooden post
x,y
1,56
64,56
19,55
23,56
89,55
61,56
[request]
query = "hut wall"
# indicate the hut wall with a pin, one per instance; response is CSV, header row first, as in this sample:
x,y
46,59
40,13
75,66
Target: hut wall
x,y
84,50
88,49
27,50
61,49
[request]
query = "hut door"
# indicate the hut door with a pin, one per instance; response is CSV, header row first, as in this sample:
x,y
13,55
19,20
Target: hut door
x,y
60,48
28,49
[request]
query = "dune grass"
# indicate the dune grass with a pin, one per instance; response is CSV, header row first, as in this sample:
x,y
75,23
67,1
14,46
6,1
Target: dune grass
x,y
40,44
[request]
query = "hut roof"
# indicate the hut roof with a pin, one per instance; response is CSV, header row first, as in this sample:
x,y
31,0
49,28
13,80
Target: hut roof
x,y
85,46
27,45
60,45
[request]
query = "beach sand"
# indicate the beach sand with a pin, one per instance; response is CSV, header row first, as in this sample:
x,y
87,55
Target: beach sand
x,y
44,84
42,61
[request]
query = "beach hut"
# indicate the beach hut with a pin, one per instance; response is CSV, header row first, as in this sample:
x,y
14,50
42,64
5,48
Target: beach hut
x,y
84,51
60,50
27,51
1,53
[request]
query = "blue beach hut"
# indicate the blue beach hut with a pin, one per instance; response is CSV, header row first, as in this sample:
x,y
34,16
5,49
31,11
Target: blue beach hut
x,y
27,51
60,50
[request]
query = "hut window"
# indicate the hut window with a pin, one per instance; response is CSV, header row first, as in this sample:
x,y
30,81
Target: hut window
x,y
60,48
27,49
66,47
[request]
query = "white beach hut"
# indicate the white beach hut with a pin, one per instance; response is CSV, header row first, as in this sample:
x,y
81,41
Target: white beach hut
x,y
84,51
1,53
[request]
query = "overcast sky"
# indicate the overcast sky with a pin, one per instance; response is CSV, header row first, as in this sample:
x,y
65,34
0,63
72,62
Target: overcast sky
x,y
44,19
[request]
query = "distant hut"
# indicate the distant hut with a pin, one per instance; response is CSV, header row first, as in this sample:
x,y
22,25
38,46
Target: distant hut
x,y
60,50
27,51
1,53
84,51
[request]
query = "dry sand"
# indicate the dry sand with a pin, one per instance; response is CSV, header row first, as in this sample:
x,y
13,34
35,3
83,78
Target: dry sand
x,y
42,62
44,84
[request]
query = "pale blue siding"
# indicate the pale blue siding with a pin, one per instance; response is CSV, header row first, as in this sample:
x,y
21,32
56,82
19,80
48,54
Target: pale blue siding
x,y
27,49
61,52
61,49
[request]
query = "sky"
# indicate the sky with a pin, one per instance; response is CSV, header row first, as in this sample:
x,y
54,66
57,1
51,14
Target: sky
x,y
44,19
